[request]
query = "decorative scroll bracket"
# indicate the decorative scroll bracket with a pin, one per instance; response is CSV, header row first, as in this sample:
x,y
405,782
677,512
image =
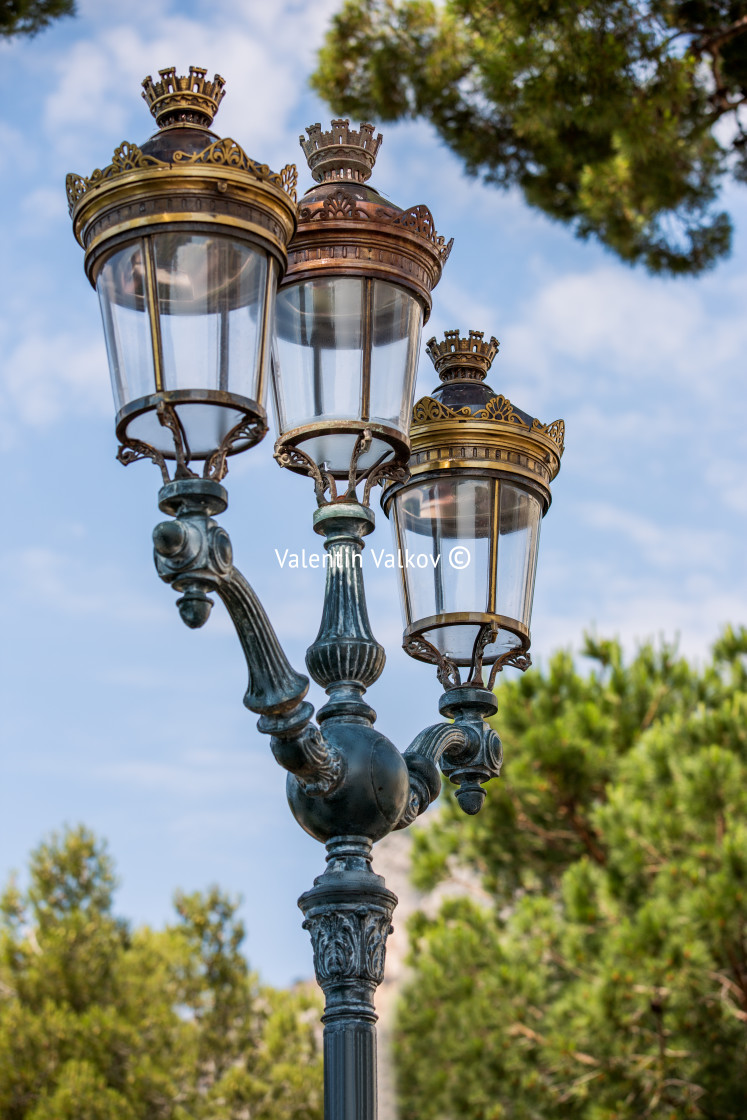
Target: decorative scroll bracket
x,y
193,554
467,751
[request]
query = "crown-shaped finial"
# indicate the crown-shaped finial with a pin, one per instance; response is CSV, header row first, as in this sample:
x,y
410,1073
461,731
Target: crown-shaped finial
x,y
341,153
462,359
184,100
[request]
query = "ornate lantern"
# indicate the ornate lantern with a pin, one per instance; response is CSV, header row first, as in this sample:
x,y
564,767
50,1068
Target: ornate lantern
x,y
350,313
185,239
467,521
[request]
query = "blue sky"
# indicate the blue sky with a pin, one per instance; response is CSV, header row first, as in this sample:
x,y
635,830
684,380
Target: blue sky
x,y
112,712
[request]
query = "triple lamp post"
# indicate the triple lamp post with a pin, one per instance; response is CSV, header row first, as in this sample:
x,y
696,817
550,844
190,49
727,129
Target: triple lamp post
x,y
214,282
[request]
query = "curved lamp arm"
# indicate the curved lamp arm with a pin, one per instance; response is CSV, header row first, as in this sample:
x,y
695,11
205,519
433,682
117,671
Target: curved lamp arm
x,y
467,751
193,554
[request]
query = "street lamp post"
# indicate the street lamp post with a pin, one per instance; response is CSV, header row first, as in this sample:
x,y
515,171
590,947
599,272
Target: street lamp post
x,y
195,249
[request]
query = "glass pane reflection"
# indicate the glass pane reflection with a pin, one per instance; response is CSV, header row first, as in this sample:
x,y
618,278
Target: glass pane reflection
x,y
121,287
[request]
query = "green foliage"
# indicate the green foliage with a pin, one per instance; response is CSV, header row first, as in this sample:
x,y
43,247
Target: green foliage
x,y
98,1022
609,979
26,17
602,112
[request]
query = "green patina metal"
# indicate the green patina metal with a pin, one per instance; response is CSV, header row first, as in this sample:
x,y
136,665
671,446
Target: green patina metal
x,y
348,785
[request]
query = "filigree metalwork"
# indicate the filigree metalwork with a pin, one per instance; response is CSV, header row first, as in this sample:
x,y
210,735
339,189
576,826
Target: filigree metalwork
x,y
168,418
227,153
500,408
556,432
516,658
362,444
420,220
294,457
428,411
127,157
447,671
323,480
223,153
131,450
485,636
289,180
381,471
250,429
134,450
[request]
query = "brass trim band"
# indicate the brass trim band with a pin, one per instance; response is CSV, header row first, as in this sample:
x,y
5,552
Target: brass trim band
x,y
183,197
422,626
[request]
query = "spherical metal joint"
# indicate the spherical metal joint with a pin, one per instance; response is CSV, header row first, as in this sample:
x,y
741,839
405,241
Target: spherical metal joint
x,y
372,795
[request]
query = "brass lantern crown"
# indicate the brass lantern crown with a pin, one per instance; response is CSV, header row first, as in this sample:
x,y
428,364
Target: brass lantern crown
x,y
464,423
350,311
467,520
185,239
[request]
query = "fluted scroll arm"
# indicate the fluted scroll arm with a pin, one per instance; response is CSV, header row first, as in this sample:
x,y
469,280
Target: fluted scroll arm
x,y
194,555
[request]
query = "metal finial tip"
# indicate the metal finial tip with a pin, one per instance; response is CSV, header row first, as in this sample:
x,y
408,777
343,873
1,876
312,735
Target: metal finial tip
x,y
194,608
471,798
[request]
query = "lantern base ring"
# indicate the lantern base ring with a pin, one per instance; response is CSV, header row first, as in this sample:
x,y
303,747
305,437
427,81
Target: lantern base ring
x,y
421,648
247,431
390,465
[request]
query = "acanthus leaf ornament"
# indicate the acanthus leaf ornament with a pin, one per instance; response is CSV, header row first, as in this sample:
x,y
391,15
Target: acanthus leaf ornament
x,y
428,410
447,671
127,157
134,450
223,153
516,658
420,220
339,205
250,428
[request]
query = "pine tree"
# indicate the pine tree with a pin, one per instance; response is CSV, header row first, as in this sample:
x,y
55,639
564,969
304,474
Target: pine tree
x,y
101,1022
619,117
27,17
608,980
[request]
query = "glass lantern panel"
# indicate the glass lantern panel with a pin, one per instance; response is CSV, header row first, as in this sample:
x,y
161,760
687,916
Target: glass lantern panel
x,y
518,542
319,351
397,322
121,286
211,294
444,538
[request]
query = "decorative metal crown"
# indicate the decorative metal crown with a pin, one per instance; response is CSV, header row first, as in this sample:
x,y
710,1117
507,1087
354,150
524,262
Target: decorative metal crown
x,y
458,359
341,153
190,98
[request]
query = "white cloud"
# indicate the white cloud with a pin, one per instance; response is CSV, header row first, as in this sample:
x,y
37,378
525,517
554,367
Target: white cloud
x,y
660,545
46,377
264,52
648,332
